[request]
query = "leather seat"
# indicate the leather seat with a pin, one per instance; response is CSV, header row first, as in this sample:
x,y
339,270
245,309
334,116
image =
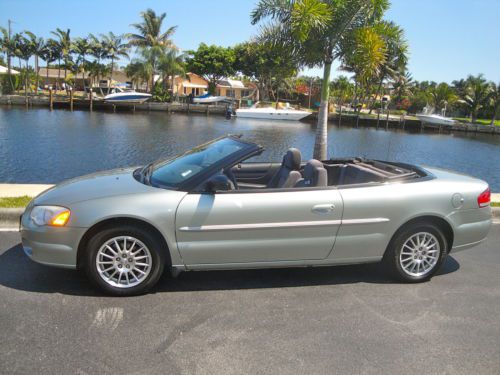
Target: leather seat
x,y
288,174
315,175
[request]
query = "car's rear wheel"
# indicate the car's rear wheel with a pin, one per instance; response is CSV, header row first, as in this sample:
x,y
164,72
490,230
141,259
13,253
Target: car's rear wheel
x,y
416,252
124,260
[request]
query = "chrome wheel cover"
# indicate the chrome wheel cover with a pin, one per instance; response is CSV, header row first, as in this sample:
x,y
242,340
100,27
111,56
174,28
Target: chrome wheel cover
x,y
123,262
419,254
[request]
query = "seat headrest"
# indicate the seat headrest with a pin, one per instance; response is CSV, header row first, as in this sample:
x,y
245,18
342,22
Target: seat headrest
x,y
315,174
292,159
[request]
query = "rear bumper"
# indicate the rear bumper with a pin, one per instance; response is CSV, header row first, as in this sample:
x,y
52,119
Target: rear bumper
x,y
471,228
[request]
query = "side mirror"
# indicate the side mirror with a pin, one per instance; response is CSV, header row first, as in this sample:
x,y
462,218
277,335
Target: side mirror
x,y
219,182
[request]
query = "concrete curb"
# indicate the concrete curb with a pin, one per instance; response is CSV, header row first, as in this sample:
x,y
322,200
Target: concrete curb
x,y
9,217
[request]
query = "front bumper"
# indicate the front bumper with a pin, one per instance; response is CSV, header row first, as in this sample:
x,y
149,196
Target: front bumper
x,y
52,246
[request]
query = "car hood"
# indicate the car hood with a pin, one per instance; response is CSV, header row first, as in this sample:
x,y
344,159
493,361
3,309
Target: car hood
x,y
94,186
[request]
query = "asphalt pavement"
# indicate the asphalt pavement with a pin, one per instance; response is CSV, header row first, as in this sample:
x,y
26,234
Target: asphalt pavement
x,y
344,320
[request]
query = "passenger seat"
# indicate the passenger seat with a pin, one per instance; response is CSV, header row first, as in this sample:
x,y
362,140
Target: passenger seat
x,y
315,175
288,174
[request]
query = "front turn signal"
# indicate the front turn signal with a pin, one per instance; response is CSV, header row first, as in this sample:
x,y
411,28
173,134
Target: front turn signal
x,y
60,219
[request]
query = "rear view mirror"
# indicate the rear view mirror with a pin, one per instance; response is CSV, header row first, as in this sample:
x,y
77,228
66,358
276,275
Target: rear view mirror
x,y
218,182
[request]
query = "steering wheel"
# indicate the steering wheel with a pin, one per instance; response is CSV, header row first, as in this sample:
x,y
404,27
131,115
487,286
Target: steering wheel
x,y
229,173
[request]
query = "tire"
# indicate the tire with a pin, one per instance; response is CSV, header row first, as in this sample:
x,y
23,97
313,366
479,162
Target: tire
x,y
124,260
416,253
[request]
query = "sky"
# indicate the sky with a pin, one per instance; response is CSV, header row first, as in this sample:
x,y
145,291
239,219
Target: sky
x,y
448,39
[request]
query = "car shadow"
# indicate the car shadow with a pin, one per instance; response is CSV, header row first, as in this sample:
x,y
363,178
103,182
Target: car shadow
x,y
18,272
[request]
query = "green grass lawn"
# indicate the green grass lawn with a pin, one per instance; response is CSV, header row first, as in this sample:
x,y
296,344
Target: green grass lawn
x,y
495,204
479,121
15,202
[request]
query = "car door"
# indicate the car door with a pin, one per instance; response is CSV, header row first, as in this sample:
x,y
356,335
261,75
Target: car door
x,y
264,226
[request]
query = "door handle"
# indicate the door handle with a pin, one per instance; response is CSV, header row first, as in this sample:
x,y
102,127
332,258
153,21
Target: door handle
x,y
323,208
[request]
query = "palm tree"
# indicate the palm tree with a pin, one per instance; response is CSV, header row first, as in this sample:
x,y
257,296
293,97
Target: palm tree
x,y
476,94
38,45
318,32
171,64
64,44
138,71
8,47
115,49
495,100
365,58
402,84
396,53
98,51
24,51
149,36
81,48
49,54
439,96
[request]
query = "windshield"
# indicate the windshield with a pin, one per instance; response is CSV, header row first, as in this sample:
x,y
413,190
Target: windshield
x,y
174,172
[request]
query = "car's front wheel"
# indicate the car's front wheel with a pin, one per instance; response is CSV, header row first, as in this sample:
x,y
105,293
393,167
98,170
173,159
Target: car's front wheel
x,y
125,260
416,252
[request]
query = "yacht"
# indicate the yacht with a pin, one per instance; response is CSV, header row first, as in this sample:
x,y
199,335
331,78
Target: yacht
x,y
119,95
271,113
435,119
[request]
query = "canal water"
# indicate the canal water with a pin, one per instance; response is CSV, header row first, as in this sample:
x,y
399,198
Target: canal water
x,y
40,146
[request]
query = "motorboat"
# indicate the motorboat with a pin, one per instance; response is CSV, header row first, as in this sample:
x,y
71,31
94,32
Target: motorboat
x,y
207,99
119,95
435,119
271,113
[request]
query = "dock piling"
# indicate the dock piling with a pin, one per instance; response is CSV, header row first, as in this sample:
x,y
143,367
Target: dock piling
x,y
71,99
51,99
90,102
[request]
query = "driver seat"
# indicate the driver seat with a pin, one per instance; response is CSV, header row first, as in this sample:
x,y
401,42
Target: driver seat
x,y
288,174
315,175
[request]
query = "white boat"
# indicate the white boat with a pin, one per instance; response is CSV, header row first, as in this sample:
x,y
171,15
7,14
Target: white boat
x,y
119,95
207,98
272,113
435,119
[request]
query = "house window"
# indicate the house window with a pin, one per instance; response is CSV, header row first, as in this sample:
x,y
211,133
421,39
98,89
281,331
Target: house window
x,y
230,93
185,91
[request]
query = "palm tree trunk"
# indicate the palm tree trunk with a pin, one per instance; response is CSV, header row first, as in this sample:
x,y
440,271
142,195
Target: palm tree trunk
x,y
58,73
110,74
377,94
495,110
320,143
37,75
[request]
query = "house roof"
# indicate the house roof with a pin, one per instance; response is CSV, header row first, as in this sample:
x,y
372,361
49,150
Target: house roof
x,y
232,83
118,75
4,70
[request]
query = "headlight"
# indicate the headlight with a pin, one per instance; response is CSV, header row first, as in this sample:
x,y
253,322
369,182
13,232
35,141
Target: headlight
x,y
50,215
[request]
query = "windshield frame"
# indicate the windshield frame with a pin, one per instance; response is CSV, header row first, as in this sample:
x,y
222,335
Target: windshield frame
x,y
249,148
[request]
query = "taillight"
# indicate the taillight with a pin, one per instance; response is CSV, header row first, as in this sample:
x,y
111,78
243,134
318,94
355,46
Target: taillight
x,y
484,198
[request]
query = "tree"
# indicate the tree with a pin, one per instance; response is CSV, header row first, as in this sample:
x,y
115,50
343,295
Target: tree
x,y
170,64
50,54
81,48
139,71
8,46
318,32
364,57
64,44
150,37
495,100
476,94
402,84
24,51
264,64
439,96
38,46
114,49
213,63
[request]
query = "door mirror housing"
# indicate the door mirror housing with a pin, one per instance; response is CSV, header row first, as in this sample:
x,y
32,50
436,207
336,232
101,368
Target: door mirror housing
x,y
219,182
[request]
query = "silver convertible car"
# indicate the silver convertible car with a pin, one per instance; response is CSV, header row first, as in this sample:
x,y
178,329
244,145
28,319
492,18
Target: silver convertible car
x,y
206,209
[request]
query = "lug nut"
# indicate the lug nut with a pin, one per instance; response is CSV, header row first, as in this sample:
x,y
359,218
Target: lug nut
x,y
130,260
127,266
117,259
119,266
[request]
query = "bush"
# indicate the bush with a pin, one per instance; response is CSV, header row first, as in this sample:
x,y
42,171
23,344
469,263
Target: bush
x,y
5,86
160,94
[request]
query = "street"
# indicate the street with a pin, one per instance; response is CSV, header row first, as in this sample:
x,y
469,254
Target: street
x,y
348,319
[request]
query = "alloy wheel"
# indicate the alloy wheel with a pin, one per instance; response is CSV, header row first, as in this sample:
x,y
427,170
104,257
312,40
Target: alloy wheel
x,y
419,254
123,262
